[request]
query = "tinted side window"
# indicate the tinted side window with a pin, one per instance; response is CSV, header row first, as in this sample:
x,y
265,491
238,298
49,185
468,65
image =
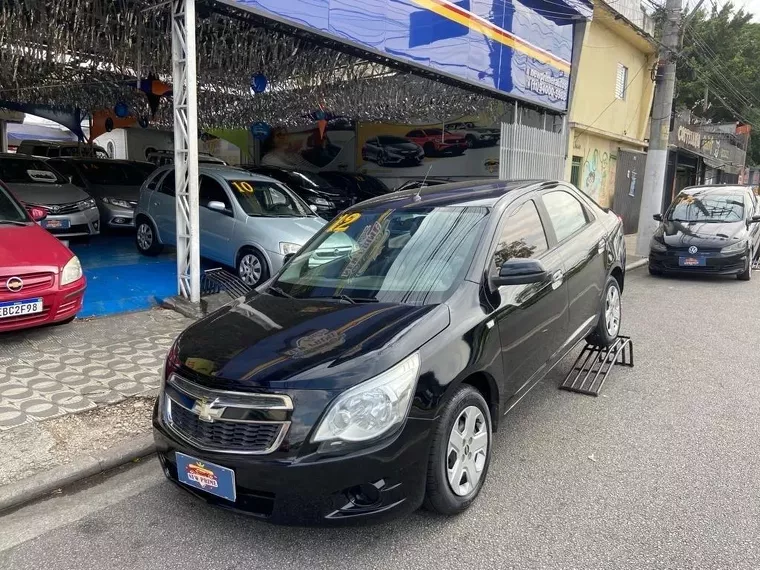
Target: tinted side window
x,y
167,186
523,236
211,191
68,170
566,213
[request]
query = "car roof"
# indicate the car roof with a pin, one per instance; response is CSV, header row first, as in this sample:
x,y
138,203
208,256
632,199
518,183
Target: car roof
x,y
717,189
97,159
481,192
223,170
20,155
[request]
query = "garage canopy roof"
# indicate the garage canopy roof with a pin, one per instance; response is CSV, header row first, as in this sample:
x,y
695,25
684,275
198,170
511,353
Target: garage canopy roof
x,y
88,54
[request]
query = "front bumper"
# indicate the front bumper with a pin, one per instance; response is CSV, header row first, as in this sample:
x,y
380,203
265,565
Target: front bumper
x,y
116,216
58,304
85,223
716,263
316,490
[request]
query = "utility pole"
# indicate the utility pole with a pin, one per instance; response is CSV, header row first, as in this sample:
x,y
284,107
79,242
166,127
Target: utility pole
x,y
659,130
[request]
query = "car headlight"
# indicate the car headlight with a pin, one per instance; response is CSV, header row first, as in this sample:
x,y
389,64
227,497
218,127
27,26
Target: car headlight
x,y
86,204
321,202
738,247
372,408
288,248
118,202
656,245
72,271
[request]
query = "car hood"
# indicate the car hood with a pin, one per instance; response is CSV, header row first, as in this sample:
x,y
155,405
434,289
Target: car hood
x,y
264,341
27,249
45,194
402,147
701,235
291,230
129,193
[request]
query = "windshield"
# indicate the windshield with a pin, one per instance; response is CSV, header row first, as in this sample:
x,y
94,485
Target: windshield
x,y
411,256
10,209
28,171
267,199
707,208
110,173
392,140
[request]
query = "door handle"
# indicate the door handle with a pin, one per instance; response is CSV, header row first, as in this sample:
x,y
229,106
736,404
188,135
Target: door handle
x,y
557,279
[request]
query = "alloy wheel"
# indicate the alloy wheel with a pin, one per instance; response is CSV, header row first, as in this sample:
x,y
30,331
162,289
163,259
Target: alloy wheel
x,y
467,451
144,237
612,312
250,269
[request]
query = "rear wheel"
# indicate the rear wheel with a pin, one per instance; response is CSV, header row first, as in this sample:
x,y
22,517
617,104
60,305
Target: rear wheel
x,y
610,314
146,238
460,453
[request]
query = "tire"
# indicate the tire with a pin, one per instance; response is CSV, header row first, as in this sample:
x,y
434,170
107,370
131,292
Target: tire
x,y
608,327
655,272
248,262
429,149
146,238
380,158
471,142
746,275
468,410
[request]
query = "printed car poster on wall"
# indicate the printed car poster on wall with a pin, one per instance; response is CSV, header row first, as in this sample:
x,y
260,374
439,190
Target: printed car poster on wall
x,y
306,149
522,47
461,148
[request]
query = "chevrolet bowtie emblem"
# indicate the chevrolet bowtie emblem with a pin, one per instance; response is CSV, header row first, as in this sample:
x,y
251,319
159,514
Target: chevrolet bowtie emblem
x,y
206,411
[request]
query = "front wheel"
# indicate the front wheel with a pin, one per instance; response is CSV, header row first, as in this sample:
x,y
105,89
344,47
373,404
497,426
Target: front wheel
x,y
746,275
146,238
252,268
610,313
460,453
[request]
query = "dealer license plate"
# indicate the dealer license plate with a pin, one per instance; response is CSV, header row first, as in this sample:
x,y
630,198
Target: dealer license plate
x,y
56,224
20,308
691,261
206,476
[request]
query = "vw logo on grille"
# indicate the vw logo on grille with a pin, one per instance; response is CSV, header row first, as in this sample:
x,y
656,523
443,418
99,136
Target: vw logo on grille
x,y
693,249
14,284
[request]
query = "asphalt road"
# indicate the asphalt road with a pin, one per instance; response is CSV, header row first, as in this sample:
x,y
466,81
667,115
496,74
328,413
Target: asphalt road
x,y
662,471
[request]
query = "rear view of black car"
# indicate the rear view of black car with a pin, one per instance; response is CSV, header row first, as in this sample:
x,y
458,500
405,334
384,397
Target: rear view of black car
x,y
708,230
359,186
359,387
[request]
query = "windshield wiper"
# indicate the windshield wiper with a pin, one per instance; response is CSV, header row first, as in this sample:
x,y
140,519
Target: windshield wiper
x,y
350,300
279,292
13,222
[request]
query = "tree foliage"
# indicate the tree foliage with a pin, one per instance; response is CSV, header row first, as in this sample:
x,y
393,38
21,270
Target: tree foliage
x,y
721,55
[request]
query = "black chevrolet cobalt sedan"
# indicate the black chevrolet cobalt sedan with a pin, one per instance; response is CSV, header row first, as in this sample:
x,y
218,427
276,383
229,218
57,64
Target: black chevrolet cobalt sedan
x,y
708,230
369,374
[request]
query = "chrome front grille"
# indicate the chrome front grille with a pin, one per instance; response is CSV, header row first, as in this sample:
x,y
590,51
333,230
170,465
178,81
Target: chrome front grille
x,y
223,421
62,209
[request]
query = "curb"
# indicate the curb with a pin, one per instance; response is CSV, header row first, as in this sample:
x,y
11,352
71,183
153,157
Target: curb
x,y
37,486
636,264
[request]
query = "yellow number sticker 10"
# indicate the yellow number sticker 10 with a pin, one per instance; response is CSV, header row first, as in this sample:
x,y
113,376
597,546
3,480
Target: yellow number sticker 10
x,y
243,187
342,222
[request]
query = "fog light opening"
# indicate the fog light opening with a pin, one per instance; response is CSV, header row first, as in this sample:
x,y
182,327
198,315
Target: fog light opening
x,y
364,495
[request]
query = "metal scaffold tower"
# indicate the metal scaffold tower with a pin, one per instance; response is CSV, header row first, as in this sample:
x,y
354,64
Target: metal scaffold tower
x,y
186,148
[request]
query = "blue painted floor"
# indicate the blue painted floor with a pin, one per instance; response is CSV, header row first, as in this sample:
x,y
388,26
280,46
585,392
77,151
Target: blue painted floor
x,y
119,279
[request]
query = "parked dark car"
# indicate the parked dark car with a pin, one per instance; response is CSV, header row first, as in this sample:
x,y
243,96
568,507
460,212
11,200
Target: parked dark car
x,y
708,229
422,183
386,150
356,388
115,185
359,186
326,199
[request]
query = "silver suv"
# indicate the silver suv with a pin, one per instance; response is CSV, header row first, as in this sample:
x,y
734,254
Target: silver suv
x,y
247,221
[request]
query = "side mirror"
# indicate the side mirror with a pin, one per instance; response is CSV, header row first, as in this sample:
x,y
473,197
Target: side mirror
x,y
520,272
313,208
38,214
217,206
657,217
288,258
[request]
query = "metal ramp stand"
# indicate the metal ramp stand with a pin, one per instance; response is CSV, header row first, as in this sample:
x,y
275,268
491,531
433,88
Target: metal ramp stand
x,y
218,280
593,365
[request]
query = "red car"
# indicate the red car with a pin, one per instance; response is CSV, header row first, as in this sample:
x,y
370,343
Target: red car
x,y
437,142
41,281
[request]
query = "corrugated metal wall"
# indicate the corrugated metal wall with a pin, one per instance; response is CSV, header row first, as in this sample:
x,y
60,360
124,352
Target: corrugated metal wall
x,y
531,153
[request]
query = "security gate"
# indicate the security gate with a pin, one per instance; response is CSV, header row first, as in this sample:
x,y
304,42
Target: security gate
x,y
629,183
530,153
